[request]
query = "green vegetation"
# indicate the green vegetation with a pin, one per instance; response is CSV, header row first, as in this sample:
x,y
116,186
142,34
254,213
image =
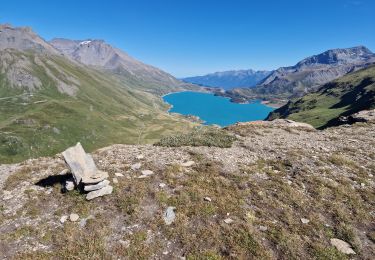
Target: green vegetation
x,y
105,110
345,96
204,136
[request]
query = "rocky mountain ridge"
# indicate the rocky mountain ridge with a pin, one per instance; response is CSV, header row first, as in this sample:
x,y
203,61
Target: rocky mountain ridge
x,y
307,75
100,54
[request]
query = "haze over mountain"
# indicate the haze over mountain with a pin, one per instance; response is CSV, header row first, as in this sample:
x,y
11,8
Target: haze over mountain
x,y
308,74
50,101
230,79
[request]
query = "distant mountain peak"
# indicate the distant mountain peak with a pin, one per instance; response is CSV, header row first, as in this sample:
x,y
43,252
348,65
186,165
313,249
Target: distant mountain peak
x,y
23,38
98,53
230,79
338,56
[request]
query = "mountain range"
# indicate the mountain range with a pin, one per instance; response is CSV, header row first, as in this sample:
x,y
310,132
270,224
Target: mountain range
x,y
307,75
54,94
340,98
230,79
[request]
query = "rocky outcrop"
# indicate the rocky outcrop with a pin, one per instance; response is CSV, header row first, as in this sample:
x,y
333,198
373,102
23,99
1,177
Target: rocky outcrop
x,y
84,171
362,116
278,123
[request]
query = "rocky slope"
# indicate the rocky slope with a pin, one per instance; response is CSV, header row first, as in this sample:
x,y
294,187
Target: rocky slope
x,y
49,102
281,191
307,75
99,54
340,98
230,79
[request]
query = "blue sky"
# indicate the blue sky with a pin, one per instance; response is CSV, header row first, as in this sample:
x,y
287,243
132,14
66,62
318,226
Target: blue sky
x,y
196,37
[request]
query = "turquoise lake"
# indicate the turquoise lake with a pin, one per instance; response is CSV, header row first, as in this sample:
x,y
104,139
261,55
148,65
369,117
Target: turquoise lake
x,y
215,110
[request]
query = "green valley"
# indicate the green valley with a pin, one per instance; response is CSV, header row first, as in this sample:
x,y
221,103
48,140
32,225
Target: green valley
x,y
70,102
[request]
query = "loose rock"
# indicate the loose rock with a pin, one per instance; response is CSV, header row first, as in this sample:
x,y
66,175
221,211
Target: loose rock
x,y
117,174
69,185
188,164
263,228
207,199
73,217
98,193
169,215
115,180
305,220
98,186
146,173
63,219
342,246
228,221
136,166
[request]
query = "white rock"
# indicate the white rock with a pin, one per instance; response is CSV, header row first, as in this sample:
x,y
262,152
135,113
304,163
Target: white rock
x,y
140,157
188,164
305,220
115,180
207,199
136,166
73,217
147,172
63,219
98,193
228,221
69,185
342,246
263,228
98,186
362,185
162,185
169,215
117,174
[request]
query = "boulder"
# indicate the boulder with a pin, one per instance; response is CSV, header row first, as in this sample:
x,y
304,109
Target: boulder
x,y
136,166
82,166
98,193
363,116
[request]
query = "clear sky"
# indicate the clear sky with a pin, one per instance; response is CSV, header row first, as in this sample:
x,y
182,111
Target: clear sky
x,y
191,37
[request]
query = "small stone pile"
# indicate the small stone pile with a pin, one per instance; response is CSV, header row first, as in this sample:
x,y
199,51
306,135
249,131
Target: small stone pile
x,y
84,171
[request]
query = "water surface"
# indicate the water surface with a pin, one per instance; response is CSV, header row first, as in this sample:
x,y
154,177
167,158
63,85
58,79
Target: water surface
x,y
215,110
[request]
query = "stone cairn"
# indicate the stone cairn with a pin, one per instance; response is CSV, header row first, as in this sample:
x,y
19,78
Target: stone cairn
x,y
85,173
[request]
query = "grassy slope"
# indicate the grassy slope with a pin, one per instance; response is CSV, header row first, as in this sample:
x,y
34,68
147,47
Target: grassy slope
x,y
347,95
105,111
